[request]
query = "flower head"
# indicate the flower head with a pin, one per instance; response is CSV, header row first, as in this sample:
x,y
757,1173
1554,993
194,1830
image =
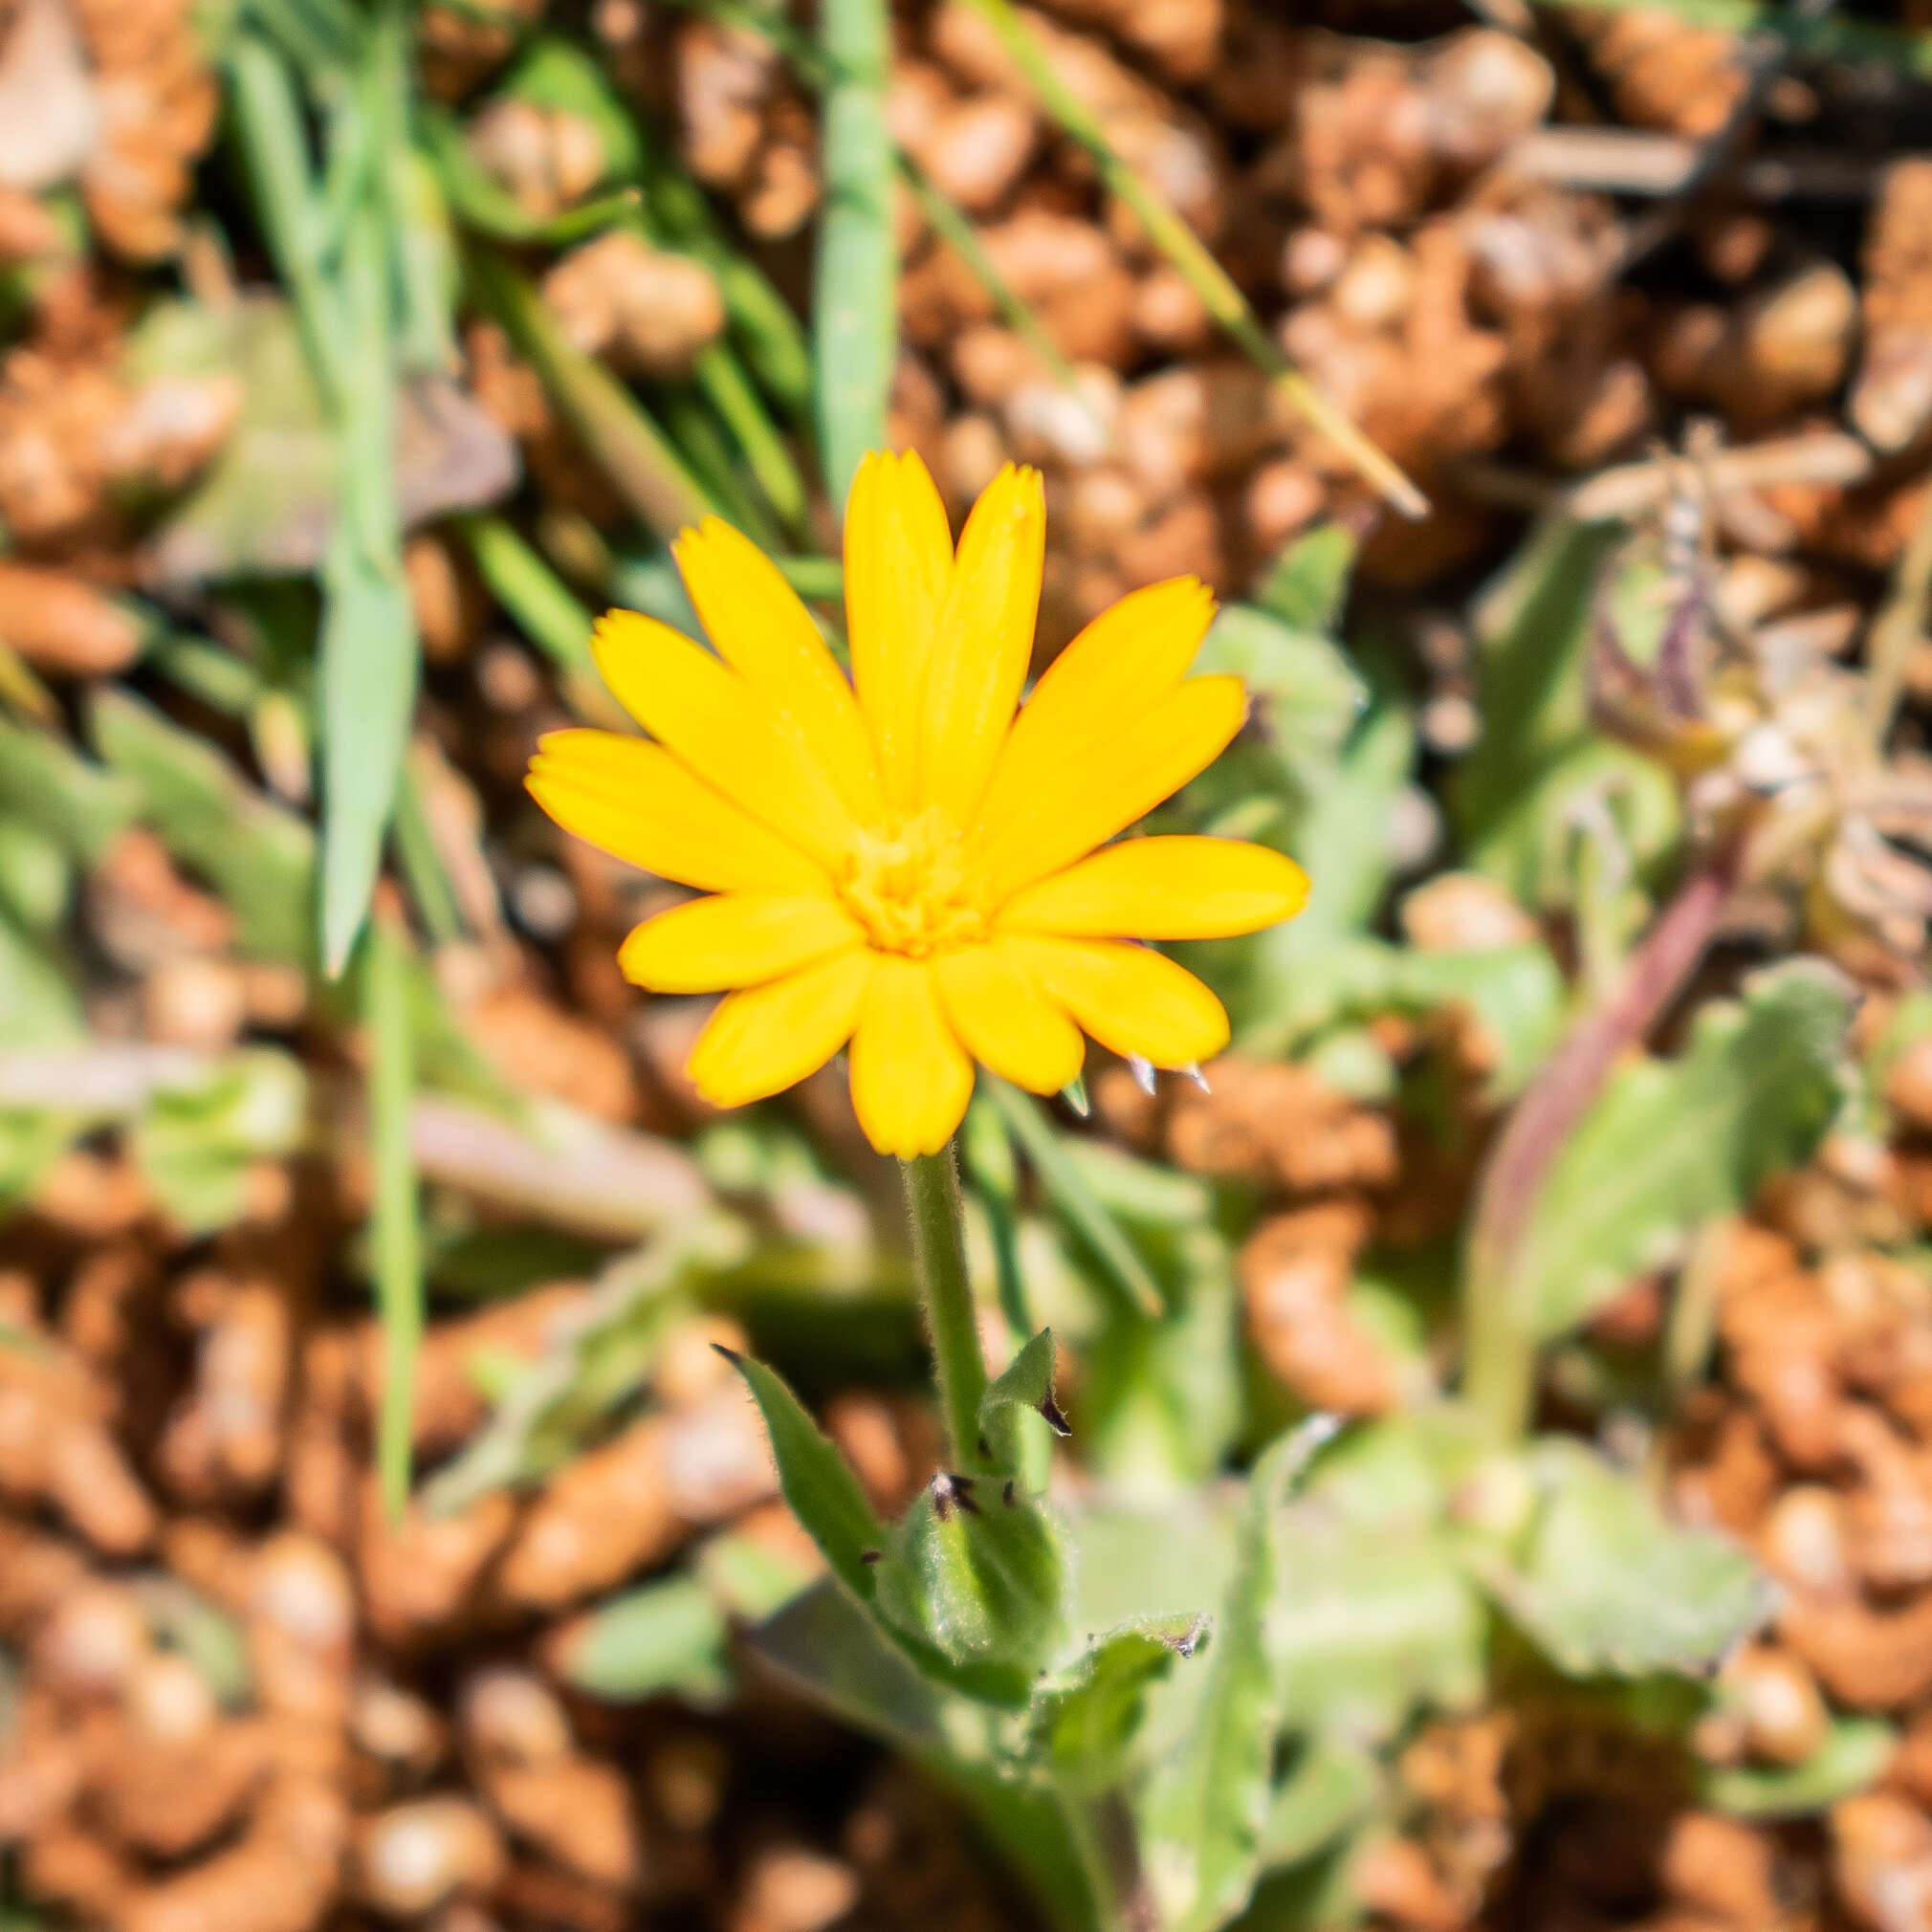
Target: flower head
x,y
913,862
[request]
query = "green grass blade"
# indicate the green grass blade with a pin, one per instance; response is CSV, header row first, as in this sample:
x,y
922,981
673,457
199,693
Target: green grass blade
x,y
1071,1192
950,224
721,377
520,579
627,446
546,610
762,323
423,869
395,1235
368,655
855,279
817,580
479,202
269,119
1194,261
703,444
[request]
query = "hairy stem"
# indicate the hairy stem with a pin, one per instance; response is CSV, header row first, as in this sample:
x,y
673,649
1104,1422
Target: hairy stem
x,y
932,1182
1500,1343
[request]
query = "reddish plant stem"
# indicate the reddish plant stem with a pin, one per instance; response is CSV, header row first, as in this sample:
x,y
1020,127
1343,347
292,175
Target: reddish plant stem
x,y
1500,1340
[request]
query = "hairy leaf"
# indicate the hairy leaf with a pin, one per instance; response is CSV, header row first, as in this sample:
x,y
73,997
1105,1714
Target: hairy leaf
x,y
1671,1143
980,1581
1306,586
1204,1810
1608,1586
1084,1721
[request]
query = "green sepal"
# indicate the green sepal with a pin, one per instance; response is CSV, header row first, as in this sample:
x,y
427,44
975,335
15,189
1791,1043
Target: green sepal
x,y
979,1585
1024,1388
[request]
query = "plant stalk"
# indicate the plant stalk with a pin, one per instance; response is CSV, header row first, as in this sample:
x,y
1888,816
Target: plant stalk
x,y
1500,1338
932,1203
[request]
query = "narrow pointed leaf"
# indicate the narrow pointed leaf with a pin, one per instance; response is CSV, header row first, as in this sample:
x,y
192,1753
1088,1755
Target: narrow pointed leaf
x,y
824,1493
854,304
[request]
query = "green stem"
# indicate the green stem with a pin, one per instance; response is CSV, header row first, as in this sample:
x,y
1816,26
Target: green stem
x,y
932,1182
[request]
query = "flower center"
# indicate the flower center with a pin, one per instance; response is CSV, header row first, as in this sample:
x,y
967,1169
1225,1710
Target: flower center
x,y
909,890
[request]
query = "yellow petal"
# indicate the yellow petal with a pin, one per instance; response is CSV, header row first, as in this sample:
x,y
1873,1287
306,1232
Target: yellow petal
x,y
1004,1021
1164,888
762,630
1129,999
737,940
899,563
724,729
1124,665
911,1078
985,641
635,801
1083,799
769,1038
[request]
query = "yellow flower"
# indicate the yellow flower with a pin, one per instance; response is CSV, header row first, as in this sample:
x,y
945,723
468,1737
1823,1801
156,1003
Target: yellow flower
x,y
902,863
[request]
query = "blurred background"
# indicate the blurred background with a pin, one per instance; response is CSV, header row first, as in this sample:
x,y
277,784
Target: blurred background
x,y
382,1541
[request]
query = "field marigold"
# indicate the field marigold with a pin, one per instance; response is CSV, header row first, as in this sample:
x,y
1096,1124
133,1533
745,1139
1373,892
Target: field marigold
x,y
913,862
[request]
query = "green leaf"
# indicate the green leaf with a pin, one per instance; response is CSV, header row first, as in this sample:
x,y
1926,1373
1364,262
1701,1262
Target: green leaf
x,y
1672,1143
979,1583
1307,695
395,1229
854,279
823,1492
749,1579
1371,1624
626,445
1306,585
1071,1192
988,1167
1161,1402
667,1635
1608,1586
367,656
1516,993
482,202
1203,1815
1085,1720
1024,1388
1533,628
210,1638
195,1141
833,1654
257,856
53,788
593,1366
840,1658
1852,1757
266,505
1333,1785
555,73
37,1006
30,1141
